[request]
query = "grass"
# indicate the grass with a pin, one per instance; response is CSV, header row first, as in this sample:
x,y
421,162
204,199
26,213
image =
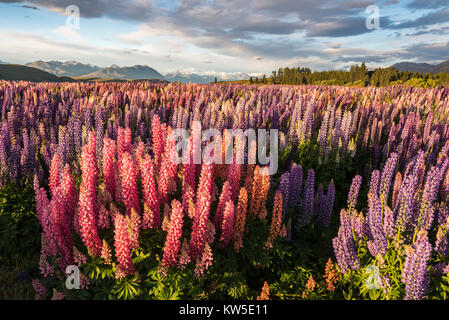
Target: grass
x,y
16,274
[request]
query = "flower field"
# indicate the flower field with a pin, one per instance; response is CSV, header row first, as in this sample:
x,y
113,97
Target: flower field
x,y
357,208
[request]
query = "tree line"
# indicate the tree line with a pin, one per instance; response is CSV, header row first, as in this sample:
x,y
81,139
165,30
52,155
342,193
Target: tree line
x,y
356,75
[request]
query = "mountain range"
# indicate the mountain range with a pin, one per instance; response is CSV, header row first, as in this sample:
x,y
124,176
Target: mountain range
x,y
81,71
422,67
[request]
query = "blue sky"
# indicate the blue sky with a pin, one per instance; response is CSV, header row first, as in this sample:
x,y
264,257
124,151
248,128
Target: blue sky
x,y
251,36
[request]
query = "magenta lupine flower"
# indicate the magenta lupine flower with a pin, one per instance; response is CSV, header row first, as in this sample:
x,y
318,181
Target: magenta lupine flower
x,y
87,212
158,140
152,214
188,180
61,225
415,274
227,226
134,223
55,178
205,261
354,191
70,193
123,247
129,183
226,195
202,207
168,170
174,234
109,166
234,175
46,221
123,142
40,289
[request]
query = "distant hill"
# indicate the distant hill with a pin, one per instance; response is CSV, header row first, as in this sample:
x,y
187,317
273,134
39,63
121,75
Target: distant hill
x,y
67,69
442,67
414,67
186,77
131,73
19,72
422,67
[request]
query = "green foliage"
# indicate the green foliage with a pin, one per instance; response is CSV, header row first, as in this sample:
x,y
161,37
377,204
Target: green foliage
x,y
19,226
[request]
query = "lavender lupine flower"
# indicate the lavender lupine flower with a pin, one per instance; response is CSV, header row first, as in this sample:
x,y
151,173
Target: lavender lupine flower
x,y
387,175
296,174
415,274
354,191
441,243
324,216
434,177
375,225
284,187
374,183
405,203
344,247
308,199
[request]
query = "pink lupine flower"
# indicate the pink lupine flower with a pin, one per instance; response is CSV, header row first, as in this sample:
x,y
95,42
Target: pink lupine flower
x,y
234,176
134,223
106,253
202,207
129,185
122,246
41,291
87,212
184,257
151,214
168,170
109,166
139,155
79,257
204,262
46,220
103,216
123,142
45,268
173,240
226,195
158,140
188,180
70,194
55,179
227,224
57,295
62,224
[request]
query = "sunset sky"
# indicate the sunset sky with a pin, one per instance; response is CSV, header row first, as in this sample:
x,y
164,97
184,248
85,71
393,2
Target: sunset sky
x,y
225,35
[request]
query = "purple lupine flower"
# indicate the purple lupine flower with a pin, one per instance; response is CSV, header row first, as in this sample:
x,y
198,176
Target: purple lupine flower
x,y
375,225
441,243
405,203
415,274
325,214
374,183
284,187
296,175
344,247
319,201
388,221
306,209
387,175
354,191
434,177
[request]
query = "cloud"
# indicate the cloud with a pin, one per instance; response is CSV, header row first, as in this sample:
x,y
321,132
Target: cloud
x,y
432,18
138,10
428,4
